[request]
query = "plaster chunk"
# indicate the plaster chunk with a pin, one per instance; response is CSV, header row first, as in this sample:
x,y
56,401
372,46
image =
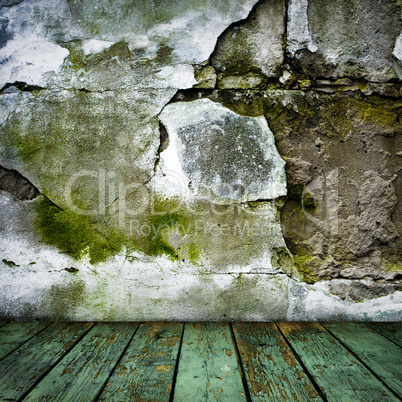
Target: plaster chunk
x,y
74,147
95,46
372,223
397,52
27,59
218,154
254,43
30,54
38,34
345,39
298,32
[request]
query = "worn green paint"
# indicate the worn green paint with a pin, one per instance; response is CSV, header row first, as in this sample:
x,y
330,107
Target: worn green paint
x,y
338,373
391,330
380,355
82,374
208,368
14,334
146,370
66,362
271,369
27,365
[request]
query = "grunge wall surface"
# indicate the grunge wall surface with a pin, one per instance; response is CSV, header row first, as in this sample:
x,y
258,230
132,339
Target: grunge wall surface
x,y
200,160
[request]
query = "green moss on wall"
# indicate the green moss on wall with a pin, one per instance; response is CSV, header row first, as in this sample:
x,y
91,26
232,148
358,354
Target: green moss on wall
x,y
75,234
302,266
296,192
393,266
252,108
164,54
161,225
282,259
77,59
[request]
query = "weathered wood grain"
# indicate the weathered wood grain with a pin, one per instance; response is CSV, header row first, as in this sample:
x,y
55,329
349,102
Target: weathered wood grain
x,y
145,373
391,330
82,374
271,369
340,376
27,365
208,368
378,353
14,334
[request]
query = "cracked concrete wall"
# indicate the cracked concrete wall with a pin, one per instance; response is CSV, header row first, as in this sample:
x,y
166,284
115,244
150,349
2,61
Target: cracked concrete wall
x,y
230,160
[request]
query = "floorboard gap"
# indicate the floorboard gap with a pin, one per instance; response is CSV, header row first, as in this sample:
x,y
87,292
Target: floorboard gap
x,y
117,362
381,333
311,378
55,363
27,340
240,364
176,368
362,362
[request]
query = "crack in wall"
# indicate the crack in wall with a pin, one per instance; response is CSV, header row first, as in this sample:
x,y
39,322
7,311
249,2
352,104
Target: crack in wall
x,y
21,86
9,3
17,185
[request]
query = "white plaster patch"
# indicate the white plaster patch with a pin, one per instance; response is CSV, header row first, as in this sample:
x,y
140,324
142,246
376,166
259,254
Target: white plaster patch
x,y
286,75
205,27
315,303
30,53
180,76
28,58
243,164
298,32
397,52
92,46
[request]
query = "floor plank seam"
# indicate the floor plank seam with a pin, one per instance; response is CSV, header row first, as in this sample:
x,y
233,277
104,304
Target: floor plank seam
x,y
380,333
117,363
298,358
55,363
240,364
176,368
363,363
23,343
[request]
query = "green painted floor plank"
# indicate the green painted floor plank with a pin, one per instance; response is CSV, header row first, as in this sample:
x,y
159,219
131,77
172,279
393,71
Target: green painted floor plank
x,y
15,334
382,356
81,375
391,330
271,369
145,373
208,368
340,376
27,365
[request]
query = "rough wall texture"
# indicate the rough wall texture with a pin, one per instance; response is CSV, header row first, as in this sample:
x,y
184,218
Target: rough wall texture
x,y
208,160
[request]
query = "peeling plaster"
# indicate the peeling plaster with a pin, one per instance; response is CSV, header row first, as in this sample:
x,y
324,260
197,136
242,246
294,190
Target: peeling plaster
x,y
298,32
397,52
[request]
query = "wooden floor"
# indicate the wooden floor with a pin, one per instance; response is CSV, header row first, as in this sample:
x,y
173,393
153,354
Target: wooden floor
x,y
156,361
